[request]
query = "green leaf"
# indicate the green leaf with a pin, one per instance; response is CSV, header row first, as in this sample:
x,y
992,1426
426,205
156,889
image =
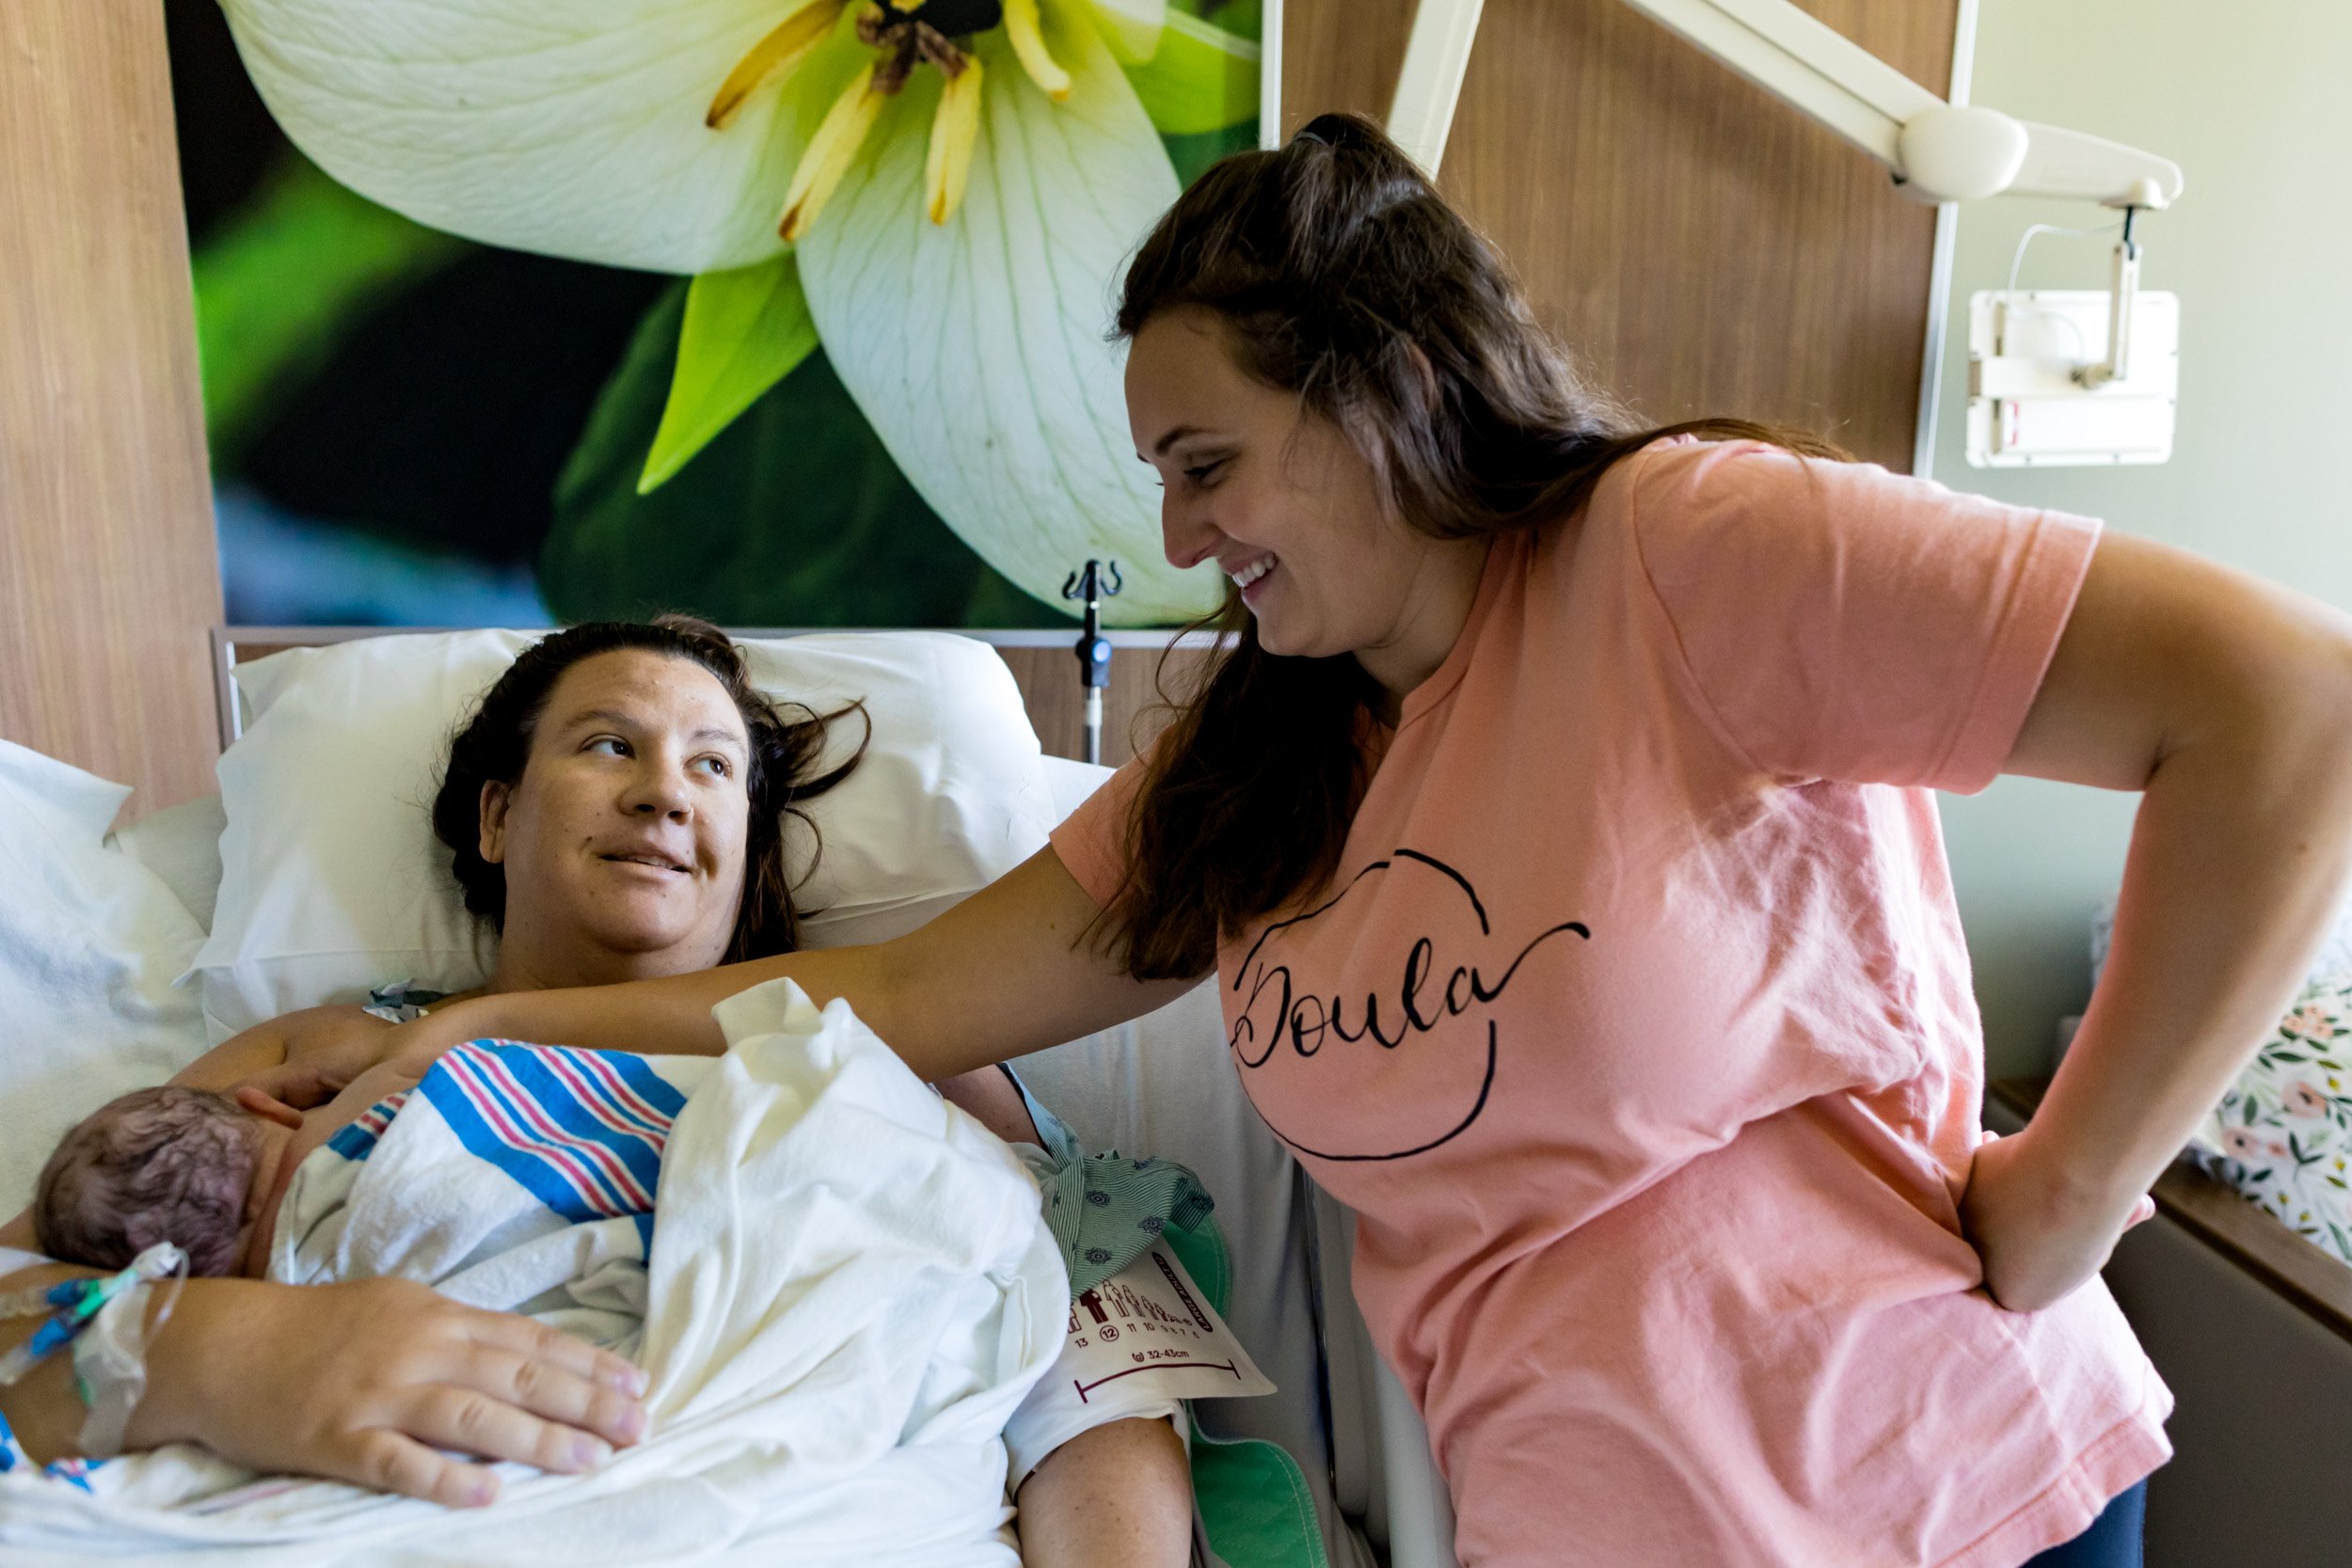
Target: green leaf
x,y
745,331
1192,155
1246,17
1201,78
1130,27
793,515
279,286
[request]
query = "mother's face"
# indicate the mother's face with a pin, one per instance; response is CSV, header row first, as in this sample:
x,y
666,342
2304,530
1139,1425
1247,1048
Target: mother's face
x,y
623,844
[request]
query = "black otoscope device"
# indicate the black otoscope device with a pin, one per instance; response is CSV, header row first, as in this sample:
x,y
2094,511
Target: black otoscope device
x,y
1094,582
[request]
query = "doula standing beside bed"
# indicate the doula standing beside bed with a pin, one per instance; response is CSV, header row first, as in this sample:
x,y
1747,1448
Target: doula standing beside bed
x,y
1560,834
616,808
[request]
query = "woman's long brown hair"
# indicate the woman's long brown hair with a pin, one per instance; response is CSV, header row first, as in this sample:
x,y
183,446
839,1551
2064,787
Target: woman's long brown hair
x,y
1342,277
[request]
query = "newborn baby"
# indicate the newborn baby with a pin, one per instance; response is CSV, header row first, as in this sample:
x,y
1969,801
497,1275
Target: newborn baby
x,y
191,1166
515,1178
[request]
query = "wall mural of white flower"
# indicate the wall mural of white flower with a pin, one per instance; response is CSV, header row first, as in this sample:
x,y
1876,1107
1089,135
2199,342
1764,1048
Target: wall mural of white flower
x,y
941,192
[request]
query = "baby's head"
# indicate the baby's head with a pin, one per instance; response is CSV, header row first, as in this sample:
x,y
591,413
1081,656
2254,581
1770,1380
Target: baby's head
x,y
177,1165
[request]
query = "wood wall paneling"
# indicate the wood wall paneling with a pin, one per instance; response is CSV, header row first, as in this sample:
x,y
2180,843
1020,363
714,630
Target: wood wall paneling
x,y
1702,246
108,573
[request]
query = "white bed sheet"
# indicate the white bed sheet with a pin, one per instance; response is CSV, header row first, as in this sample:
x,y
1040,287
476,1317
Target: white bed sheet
x,y
182,844
90,944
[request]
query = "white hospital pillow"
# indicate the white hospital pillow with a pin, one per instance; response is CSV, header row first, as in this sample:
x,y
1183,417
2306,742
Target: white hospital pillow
x,y
333,883
90,943
952,793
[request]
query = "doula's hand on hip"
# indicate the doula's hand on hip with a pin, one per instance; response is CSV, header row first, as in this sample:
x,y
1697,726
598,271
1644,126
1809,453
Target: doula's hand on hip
x,y
364,1382
2040,1236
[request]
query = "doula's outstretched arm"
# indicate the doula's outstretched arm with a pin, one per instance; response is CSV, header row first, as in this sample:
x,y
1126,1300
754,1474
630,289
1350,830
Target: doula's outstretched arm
x,y
1018,966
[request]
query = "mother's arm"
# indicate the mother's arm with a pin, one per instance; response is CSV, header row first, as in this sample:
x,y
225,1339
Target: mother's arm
x,y
2228,704
1118,1492
360,1381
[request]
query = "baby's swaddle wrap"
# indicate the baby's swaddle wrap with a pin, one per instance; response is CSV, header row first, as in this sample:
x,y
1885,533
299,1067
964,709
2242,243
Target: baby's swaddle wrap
x,y
517,1178
850,1289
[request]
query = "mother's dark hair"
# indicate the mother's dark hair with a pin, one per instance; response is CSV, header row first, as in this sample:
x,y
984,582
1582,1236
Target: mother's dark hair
x,y
1341,275
494,744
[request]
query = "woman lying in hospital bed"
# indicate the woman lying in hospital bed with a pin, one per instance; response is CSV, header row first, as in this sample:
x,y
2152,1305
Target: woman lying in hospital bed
x,y
616,809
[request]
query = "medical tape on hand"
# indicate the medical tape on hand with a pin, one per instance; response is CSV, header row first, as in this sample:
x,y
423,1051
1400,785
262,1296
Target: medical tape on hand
x,y
104,1320
110,1359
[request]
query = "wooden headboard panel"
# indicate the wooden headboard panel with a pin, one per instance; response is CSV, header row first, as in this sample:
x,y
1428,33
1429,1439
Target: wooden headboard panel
x,y
1044,665
108,579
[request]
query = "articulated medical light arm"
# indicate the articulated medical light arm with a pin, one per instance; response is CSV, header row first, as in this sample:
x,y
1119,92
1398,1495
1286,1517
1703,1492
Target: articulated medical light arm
x,y
1938,152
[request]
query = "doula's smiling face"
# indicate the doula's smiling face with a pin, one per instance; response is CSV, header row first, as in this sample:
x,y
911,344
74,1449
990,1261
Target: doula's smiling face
x,y
623,844
1277,497
1280,500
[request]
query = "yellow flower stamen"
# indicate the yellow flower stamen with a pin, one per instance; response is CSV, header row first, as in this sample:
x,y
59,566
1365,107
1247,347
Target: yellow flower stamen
x,y
1028,42
830,152
954,129
783,48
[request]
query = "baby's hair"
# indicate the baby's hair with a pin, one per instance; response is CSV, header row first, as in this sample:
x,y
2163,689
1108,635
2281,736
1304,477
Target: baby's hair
x,y
163,1164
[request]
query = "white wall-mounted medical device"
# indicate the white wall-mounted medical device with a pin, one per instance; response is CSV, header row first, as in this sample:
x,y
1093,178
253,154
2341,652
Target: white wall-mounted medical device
x,y
2073,377
2054,377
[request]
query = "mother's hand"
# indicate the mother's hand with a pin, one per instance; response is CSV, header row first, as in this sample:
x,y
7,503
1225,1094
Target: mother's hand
x,y
325,1049
363,1382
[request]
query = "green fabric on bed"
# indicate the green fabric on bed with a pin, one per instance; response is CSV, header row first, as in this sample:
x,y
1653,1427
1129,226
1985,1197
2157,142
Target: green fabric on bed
x,y
1252,1495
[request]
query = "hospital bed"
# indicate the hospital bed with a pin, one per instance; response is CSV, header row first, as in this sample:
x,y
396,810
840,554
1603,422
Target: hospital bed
x,y
1159,1083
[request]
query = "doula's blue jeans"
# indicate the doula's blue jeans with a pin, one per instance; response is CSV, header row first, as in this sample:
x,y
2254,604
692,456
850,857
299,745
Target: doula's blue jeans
x,y
2111,1542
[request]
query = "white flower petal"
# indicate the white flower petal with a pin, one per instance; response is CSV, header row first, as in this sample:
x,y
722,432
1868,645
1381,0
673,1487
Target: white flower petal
x,y
977,349
569,127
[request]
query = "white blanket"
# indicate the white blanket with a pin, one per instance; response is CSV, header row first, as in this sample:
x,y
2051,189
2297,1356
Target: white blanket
x,y
849,1290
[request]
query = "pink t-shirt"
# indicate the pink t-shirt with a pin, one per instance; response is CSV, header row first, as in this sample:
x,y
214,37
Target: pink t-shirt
x,y
1636,1028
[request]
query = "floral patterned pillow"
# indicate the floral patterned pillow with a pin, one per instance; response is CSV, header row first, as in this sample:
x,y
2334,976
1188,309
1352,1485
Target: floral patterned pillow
x,y
2283,1135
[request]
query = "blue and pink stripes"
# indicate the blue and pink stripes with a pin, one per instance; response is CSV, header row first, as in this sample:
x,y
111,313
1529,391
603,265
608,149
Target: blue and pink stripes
x,y
357,1141
582,1131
